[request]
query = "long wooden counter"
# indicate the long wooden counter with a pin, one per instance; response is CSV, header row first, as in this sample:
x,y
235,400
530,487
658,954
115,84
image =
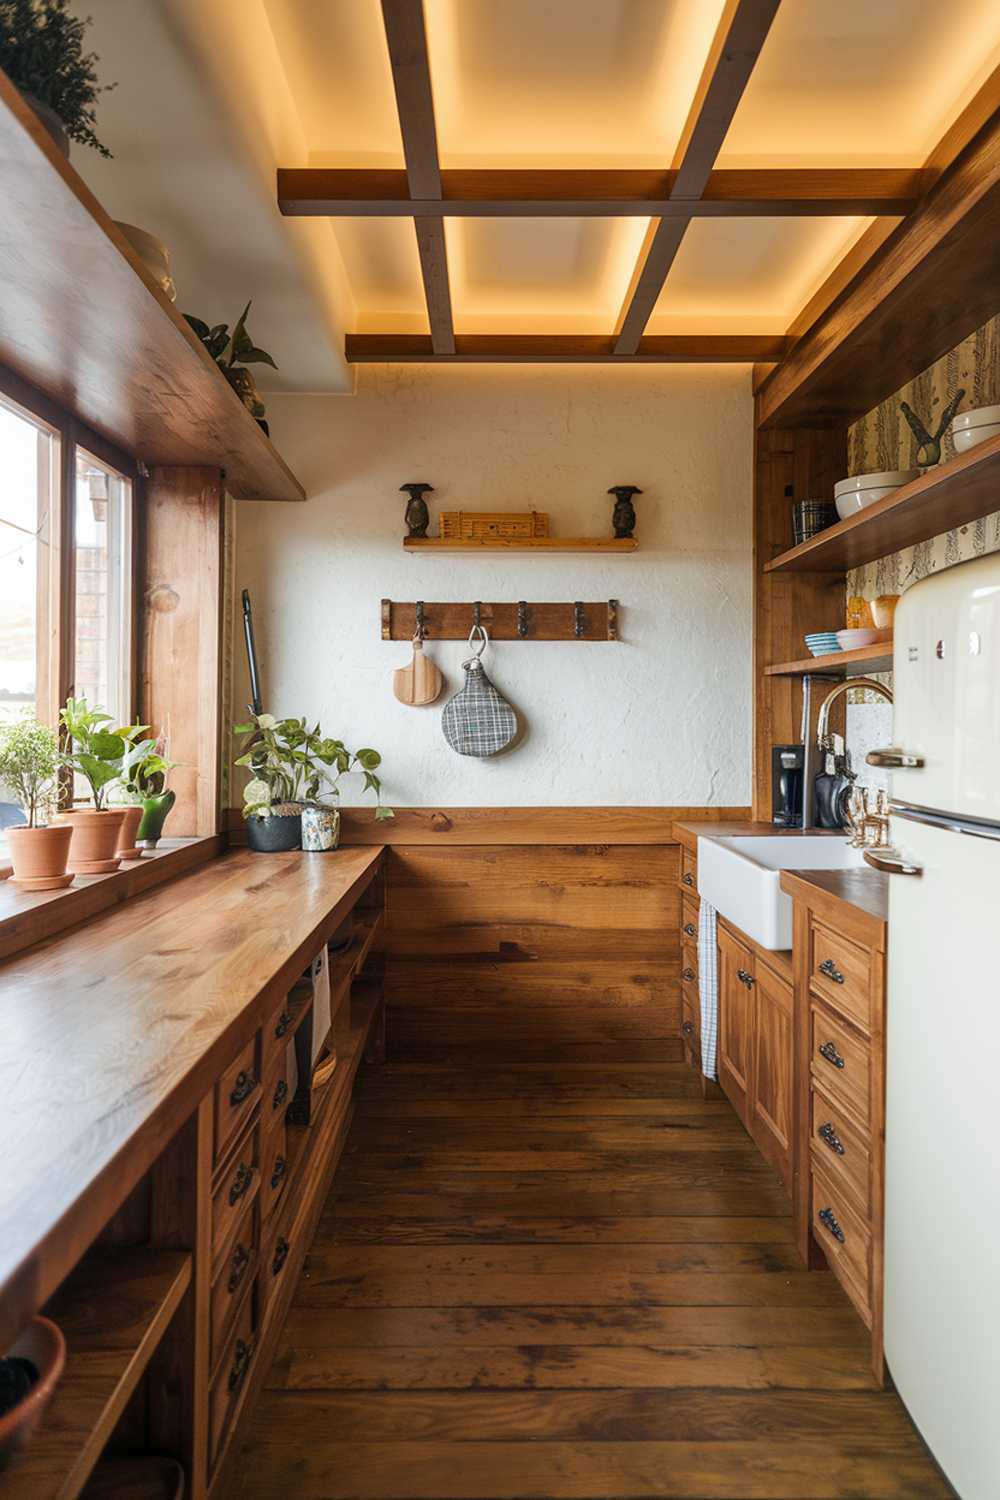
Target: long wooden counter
x,y
113,1034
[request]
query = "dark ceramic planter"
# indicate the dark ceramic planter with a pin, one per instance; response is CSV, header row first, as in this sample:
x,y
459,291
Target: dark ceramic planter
x,y
276,834
53,125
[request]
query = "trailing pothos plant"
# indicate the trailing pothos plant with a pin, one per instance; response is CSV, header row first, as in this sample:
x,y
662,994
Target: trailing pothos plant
x,y
103,757
292,763
229,349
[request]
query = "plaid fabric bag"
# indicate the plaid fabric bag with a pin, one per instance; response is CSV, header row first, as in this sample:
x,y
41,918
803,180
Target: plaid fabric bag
x,y
477,721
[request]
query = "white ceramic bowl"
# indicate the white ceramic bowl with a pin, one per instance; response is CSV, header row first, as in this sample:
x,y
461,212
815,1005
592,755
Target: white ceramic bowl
x,y
857,493
851,640
972,427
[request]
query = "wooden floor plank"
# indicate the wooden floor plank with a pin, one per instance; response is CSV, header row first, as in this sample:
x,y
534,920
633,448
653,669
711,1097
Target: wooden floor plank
x,y
567,1282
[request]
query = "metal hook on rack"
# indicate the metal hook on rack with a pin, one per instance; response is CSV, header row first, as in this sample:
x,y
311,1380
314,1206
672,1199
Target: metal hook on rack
x,y
420,634
522,618
477,610
579,623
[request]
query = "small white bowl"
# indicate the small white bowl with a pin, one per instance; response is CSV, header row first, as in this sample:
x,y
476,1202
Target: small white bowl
x,y
976,426
857,493
851,640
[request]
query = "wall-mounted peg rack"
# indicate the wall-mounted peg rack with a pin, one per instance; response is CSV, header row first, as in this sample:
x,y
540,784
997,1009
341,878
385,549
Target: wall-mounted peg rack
x,y
521,621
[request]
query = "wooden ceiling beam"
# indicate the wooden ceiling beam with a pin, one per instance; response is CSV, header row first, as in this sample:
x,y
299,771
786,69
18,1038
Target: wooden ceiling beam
x,y
479,348
411,78
489,193
738,40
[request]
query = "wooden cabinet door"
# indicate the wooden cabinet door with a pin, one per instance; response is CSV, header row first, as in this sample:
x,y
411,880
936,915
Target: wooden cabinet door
x,y
771,1102
735,1020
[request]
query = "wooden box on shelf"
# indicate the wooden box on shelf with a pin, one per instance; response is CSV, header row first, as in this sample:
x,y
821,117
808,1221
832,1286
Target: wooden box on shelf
x,y
480,525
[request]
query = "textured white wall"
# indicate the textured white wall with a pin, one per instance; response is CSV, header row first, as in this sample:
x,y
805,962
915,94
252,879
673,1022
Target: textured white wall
x,y
661,718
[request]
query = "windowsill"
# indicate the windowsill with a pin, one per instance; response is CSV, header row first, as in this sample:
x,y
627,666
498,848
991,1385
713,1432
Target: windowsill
x,y
28,917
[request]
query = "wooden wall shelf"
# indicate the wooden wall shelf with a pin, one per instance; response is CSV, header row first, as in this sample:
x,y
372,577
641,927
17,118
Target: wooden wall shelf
x,y
113,1311
83,321
521,544
952,494
877,658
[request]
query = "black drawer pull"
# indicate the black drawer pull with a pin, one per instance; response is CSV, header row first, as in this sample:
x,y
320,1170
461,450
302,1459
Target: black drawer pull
x,y
829,968
832,1139
241,1363
238,1267
688,973
280,1166
241,1183
688,1028
688,878
745,978
243,1087
284,1021
280,1256
280,1094
829,1051
827,1219
689,928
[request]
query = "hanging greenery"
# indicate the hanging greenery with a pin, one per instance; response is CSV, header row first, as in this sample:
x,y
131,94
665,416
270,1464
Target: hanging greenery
x,y
42,52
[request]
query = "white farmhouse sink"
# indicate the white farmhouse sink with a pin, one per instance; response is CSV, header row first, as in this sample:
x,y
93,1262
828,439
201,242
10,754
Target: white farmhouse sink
x,y
740,878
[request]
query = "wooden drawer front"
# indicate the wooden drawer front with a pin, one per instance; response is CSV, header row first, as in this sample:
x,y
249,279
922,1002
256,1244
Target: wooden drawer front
x,y
691,1019
232,1277
841,1150
841,973
277,1255
231,1376
277,1096
845,1239
689,921
841,1063
236,1094
274,1170
689,871
689,964
238,1185
276,1035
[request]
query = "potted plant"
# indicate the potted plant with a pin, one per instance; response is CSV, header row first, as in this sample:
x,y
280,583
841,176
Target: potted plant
x,y
141,790
321,815
30,761
41,51
103,757
231,352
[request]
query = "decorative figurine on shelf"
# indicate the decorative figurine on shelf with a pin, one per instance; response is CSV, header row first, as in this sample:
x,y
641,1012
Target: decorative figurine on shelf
x,y
623,515
929,450
417,516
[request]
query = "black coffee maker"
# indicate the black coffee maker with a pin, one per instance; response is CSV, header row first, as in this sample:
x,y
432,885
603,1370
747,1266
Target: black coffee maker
x,y
787,771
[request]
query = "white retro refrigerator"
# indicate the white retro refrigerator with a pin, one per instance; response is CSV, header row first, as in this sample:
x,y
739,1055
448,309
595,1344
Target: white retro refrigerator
x,y
942,1234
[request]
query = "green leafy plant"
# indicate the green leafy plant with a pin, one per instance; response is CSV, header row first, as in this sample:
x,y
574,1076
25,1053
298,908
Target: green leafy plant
x,y
292,763
230,349
102,756
41,51
146,775
30,761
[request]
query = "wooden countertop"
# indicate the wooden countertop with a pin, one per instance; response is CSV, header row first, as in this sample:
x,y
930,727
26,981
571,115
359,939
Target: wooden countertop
x,y
114,1032
688,833
864,890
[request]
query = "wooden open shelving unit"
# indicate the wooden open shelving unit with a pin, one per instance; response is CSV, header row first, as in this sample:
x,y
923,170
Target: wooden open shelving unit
x,y
952,494
82,320
521,544
113,1311
858,663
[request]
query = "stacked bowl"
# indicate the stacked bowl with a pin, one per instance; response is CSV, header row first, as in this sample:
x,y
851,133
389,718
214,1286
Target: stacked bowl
x,y
862,490
972,427
822,643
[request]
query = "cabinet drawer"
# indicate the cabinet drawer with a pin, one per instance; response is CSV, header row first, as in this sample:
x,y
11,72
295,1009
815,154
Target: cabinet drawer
x,y
689,871
278,1246
845,1239
232,1277
691,1019
274,1170
689,964
689,920
231,1376
276,1034
841,1063
840,971
277,1096
236,1094
238,1185
841,1150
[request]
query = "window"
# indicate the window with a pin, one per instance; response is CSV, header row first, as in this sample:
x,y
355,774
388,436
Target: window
x,y
29,566
102,603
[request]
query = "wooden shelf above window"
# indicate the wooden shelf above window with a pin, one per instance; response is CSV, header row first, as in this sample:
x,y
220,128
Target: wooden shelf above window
x,y
952,494
521,544
83,321
877,658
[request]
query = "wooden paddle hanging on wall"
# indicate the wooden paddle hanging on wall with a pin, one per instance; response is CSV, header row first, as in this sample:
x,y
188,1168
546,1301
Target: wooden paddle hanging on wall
x,y
420,681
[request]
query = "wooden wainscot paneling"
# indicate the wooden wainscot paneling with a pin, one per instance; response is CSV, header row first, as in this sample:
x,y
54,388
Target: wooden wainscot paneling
x,y
527,825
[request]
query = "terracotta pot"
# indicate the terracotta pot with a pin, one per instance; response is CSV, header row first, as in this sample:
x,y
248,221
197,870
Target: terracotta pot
x,y
39,857
95,839
126,835
43,1346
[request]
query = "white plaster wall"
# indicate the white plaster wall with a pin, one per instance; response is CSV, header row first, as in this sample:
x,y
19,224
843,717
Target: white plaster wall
x,y
662,717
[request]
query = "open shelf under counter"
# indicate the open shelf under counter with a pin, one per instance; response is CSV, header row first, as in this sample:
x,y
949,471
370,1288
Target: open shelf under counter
x,y
951,494
82,320
520,544
113,1311
859,663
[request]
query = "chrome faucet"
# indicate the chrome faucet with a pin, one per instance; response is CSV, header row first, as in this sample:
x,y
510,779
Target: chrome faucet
x,y
848,684
867,827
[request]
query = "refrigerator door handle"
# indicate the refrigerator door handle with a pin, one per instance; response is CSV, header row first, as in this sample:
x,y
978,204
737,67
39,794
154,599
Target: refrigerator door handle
x,y
892,758
891,863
